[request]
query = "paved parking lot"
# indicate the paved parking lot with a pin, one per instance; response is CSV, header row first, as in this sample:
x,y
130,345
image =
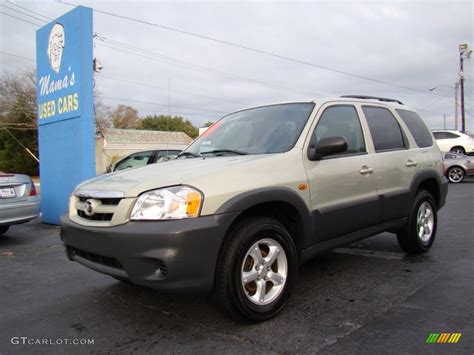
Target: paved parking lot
x,y
365,298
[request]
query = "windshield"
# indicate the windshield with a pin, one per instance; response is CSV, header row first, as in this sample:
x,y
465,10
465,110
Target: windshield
x,y
261,130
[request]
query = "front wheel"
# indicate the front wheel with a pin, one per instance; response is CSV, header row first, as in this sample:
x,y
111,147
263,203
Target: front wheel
x,y
4,229
256,270
455,174
419,233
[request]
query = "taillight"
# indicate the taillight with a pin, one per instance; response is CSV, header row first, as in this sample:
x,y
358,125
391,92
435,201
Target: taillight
x,y
33,189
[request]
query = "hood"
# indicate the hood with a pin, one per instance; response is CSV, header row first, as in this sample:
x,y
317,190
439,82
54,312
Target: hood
x,y
174,172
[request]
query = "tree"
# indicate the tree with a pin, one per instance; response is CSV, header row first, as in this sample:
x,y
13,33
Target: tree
x,y
101,111
125,117
208,124
169,123
18,123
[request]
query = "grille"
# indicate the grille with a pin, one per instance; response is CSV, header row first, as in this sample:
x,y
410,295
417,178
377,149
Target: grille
x,y
95,258
104,201
163,268
95,216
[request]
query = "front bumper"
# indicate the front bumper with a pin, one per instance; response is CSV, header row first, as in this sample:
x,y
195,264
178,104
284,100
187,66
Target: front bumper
x,y
19,212
178,255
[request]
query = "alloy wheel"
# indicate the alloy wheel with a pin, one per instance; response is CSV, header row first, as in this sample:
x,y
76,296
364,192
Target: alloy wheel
x,y
264,271
425,221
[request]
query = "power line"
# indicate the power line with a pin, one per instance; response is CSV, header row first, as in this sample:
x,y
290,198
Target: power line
x,y
33,12
17,56
191,66
20,19
156,104
160,88
23,13
256,50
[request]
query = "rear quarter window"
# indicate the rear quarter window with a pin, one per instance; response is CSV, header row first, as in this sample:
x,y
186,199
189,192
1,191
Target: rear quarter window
x,y
417,128
384,129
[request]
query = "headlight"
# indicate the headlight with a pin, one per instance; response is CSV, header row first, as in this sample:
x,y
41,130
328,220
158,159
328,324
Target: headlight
x,y
169,203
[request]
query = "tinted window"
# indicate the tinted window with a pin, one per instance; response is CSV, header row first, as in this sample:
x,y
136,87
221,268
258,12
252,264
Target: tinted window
x,y
384,128
417,128
134,161
445,135
341,121
450,135
166,155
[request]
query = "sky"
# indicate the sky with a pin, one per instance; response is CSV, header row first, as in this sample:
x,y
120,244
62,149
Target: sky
x,y
405,47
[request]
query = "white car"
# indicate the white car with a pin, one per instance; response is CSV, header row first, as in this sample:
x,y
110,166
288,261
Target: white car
x,y
454,141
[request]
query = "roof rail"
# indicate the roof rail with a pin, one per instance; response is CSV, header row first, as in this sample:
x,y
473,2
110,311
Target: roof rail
x,y
363,97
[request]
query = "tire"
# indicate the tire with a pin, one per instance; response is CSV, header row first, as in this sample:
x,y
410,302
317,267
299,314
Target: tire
x,y
458,150
455,174
271,283
4,229
409,237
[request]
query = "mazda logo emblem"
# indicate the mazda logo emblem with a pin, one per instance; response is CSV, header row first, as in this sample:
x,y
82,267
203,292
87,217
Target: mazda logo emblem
x,y
88,208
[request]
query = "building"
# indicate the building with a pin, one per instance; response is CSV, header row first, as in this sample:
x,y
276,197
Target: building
x,y
112,144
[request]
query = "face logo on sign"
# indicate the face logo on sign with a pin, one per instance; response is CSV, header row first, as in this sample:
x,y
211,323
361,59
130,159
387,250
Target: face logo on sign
x,y
88,208
56,46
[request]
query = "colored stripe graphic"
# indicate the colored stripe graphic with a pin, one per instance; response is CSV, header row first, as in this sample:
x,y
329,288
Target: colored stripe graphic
x,y
455,337
432,338
442,338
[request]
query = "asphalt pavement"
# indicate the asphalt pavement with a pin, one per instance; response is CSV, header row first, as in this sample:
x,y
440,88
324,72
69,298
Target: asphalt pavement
x,y
365,298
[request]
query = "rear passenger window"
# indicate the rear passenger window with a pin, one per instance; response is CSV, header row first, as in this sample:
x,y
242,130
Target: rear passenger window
x,y
341,121
417,128
384,128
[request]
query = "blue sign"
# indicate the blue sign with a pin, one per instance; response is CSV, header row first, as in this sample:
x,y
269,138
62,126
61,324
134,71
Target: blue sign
x,y
65,108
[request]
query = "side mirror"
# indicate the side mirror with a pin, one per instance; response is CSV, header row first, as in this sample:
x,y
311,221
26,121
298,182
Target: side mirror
x,y
327,146
108,169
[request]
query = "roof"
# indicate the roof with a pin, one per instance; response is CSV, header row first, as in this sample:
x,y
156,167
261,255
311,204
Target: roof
x,y
144,136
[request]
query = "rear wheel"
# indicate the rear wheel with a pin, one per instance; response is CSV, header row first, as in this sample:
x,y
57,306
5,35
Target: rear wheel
x,y
458,150
455,174
4,229
256,270
419,233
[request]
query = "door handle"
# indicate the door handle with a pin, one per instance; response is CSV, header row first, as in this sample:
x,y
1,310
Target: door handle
x,y
366,170
411,163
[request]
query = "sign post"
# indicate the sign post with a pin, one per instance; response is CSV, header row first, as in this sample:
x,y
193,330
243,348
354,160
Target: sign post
x,y
65,108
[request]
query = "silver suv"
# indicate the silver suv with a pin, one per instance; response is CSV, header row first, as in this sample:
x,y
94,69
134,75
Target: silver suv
x,y
257,195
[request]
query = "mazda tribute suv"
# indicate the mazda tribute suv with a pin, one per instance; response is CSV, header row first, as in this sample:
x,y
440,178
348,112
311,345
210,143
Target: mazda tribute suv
x,y
259,193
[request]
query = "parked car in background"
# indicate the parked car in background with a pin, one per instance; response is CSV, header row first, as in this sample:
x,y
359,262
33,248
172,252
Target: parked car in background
x,y
454,141
137,160
19,202
458,166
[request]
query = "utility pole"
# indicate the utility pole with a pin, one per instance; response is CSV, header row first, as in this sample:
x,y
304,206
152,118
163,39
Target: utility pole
x,y
461,74
456,104
464,51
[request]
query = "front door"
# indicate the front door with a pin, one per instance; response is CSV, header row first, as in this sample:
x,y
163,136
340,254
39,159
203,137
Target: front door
x,y
343,186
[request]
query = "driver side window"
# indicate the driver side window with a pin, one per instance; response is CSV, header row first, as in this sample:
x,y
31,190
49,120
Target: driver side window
x,y
341,121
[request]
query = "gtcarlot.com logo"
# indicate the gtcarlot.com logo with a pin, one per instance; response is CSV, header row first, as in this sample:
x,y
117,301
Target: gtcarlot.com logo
x,y
50,341
441,338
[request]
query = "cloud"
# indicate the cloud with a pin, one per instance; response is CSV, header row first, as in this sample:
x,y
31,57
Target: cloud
x,y
409,43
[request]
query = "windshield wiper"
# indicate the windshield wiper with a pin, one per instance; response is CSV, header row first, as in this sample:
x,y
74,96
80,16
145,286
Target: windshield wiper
x,y
217,151
188,154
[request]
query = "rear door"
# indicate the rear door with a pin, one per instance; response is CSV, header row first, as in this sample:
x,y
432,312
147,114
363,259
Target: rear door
x,y
343,186
395,162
